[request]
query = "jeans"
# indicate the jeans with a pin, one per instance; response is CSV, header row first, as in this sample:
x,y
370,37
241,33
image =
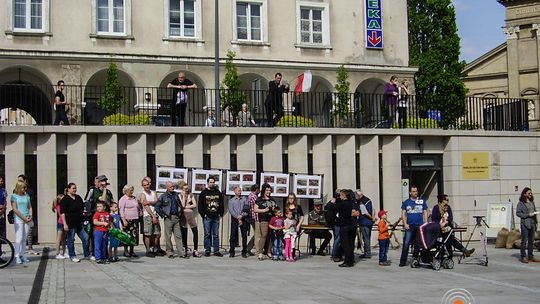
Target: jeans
x,y
336,251
233,241
411,236
211,237
60,115
172,227
21,233
383,250
366,238
527,239
100,244
83,236
277,248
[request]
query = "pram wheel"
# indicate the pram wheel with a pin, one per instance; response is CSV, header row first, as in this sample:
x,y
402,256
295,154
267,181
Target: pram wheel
x,y
448,264
415,263
436,264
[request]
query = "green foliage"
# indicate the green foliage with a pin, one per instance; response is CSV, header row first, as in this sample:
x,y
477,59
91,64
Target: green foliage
x,y
230,87
112,99
295,121
434,47
341,105
123,119
420,123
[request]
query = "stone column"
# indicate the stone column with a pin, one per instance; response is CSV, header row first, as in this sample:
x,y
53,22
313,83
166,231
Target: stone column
x,y
136,159
46,186
272,153
107,150
246,152
165,150
322,162
298,150
14,162
346,161
369,168
193,150
391,177
512,46
534,114
76,161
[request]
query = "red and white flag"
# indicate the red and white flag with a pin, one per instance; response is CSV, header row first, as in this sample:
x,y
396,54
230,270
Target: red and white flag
x,y
304,83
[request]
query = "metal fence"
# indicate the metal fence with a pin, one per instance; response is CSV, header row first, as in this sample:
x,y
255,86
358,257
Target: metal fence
x,y
33,104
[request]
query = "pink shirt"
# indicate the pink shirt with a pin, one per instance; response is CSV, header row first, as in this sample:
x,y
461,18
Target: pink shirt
x,y
128,207
60,222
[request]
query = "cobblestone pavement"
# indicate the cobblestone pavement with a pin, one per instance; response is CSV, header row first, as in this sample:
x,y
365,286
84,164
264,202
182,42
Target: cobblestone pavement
x,y
312,279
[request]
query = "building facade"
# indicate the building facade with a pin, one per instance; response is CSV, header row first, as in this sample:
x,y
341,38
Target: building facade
x,y
512,69
152,41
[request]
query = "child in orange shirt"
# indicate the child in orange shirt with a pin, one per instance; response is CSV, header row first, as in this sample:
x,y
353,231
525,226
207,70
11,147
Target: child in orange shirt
x,y
384,239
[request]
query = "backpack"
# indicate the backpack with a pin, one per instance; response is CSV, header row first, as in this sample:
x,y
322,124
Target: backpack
x,y
11,217
329,215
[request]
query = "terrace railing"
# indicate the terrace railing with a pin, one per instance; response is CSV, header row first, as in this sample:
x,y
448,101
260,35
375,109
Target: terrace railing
x,y
33,104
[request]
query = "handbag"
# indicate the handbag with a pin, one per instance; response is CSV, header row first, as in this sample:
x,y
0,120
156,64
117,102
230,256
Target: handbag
x,y
11,217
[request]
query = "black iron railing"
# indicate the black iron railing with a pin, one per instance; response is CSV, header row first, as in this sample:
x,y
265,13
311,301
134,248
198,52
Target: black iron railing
x,y
27,104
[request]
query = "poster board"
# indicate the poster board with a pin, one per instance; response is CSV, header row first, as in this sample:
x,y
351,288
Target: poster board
x,y
278,181
307,186
199,177
499,215
244,179
165,174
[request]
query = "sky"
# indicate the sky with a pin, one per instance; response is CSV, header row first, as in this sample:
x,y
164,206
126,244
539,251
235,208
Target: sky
x,y
479,25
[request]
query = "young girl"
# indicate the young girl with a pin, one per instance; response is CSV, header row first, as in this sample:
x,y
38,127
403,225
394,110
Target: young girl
x,y
114,242
290,236
60,233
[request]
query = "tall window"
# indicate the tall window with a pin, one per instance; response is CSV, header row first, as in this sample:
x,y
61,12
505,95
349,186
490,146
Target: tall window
x,y
311,25
111,17
182,18
28,15
248,21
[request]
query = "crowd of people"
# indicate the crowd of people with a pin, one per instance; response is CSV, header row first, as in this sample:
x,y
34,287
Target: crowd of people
x,y
275,230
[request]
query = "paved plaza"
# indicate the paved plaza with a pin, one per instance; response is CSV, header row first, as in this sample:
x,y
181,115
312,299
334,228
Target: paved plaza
x,y
312,279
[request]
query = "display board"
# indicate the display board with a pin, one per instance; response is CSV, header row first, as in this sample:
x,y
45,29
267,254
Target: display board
x,y
199,177
499,215
307,186
165,174
244,179
278,181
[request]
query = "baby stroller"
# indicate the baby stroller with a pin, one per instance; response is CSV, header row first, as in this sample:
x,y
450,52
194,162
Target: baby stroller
x,y
433,249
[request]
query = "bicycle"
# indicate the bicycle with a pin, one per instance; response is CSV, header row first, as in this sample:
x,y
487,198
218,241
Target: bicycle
x,y
7,252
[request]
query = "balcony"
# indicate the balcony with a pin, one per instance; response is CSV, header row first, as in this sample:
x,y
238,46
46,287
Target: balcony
x,y
32,104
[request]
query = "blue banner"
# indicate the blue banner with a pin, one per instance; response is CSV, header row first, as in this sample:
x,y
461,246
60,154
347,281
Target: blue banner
x,y
374,30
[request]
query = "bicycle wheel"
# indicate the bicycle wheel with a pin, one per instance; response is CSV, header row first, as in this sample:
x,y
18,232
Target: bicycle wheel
x,y
7,252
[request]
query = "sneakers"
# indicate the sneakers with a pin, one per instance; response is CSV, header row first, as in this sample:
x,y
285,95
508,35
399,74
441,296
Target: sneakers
x,y
207,254
196,254
92,258
75,260
25,260
385,263
160,252
218,254
18,260
60,257
150,254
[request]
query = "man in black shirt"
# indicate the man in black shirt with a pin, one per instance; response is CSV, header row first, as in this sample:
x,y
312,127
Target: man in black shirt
x,y
346,213
211,209
61,104
274,100
180,98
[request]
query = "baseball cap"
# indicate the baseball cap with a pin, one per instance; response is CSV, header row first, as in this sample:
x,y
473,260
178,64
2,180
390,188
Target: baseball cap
x,y
102,178
382,212
317,202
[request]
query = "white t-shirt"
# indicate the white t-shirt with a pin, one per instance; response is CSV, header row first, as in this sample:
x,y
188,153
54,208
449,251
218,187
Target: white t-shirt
x,y
151,198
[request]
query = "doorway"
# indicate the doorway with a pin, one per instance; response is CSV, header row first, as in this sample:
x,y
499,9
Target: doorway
x,y
423,171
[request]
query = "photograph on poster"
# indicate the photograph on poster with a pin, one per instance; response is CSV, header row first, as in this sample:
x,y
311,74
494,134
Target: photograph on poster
x,y
243,179
200,178
307,186
278,181
172,174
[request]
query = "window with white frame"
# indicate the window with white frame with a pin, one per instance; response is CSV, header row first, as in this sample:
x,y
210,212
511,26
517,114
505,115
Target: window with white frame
x,y
182,17
111,17
313,23
249,23
30,15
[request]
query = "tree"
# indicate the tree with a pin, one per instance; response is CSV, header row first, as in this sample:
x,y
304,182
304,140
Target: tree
x,y
343,96
112,99
434,47
230,87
